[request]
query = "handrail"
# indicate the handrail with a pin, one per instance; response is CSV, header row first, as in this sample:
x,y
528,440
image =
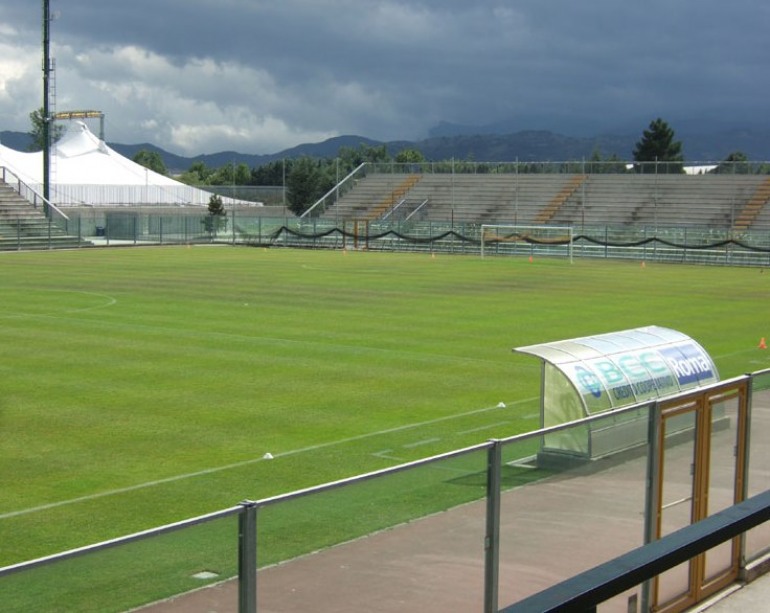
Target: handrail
x,y
422,204
122,540
324,487
585,591
400,203
50,205
581,592
392,209
390,470
333,189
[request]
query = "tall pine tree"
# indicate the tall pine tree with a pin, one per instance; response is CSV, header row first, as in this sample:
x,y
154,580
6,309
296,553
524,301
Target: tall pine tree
x,y
657,145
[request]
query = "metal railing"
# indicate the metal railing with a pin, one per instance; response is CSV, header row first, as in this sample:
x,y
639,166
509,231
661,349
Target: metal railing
x,y
495,494
584,166
30,194
330,197
586,591
693,244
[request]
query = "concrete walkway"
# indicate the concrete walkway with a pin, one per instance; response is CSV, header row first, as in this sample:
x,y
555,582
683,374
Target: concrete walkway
x,y
754,596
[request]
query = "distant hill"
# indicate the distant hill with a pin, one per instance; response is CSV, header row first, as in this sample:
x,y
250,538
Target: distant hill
x,y
529,146
326,149
702,141
460,142
177,163
16,140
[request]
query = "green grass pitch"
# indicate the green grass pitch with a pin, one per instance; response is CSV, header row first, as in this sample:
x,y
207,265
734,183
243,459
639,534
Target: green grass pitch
x,y
144,386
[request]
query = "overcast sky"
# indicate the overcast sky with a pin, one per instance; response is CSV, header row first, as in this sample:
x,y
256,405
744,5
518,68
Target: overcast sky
x,y
203,76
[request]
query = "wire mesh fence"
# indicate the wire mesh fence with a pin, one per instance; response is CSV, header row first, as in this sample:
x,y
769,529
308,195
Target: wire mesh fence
x,y
676,244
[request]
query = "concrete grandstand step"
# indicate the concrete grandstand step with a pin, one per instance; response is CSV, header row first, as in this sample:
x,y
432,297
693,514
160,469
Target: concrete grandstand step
x,y
23,226
39,243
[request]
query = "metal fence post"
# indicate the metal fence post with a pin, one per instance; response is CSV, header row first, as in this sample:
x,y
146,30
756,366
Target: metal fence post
x,y
652,500
492,538
247,558
745,458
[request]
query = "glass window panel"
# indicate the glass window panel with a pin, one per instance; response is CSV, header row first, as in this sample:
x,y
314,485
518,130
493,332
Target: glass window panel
x,y
401,542
137,574
758,539
563,514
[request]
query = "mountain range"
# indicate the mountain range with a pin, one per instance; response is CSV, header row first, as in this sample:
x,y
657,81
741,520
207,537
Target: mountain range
x,y
489,143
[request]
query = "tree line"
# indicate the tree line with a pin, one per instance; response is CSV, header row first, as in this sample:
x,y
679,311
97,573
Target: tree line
x,y
307,179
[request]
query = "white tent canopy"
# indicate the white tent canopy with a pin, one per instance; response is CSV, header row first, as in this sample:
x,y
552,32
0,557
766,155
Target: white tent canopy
x,y
85,171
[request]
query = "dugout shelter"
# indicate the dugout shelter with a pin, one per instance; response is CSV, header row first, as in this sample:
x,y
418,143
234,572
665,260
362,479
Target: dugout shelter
x,y
595,374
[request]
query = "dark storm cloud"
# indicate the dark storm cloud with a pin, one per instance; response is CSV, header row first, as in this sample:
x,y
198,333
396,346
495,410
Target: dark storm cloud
x,y
255,75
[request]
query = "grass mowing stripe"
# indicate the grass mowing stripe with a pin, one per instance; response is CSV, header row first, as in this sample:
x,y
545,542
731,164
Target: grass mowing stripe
x,y
277,455
169,380
265,339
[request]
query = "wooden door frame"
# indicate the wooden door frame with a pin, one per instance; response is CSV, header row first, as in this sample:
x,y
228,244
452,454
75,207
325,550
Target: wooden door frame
x,y
702,402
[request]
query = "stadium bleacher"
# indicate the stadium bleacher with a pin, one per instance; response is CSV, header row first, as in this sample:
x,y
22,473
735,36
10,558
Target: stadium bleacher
x,y
22,226
715,200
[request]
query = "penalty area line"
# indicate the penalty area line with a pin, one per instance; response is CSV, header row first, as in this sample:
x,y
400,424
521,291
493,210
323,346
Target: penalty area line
x,y
482,428
426,441
217,469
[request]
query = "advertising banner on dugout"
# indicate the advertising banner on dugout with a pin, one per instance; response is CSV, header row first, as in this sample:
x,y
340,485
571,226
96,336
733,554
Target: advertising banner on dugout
x,y
622,368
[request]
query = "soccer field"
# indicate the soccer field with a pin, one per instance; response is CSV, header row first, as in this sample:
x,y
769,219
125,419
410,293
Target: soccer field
x,y
143,386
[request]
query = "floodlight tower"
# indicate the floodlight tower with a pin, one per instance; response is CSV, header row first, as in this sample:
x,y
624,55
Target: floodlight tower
x,y
46,102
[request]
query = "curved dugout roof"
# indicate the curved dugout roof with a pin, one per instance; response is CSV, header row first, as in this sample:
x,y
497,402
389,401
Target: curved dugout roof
x,y
622,368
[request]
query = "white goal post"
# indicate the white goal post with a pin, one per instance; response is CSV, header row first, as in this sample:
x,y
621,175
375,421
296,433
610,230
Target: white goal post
x,y
550,241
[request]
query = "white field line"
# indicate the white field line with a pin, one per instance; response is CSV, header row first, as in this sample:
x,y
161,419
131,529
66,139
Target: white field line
x,y
482,428
426,441
216,469
387,454
109,301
